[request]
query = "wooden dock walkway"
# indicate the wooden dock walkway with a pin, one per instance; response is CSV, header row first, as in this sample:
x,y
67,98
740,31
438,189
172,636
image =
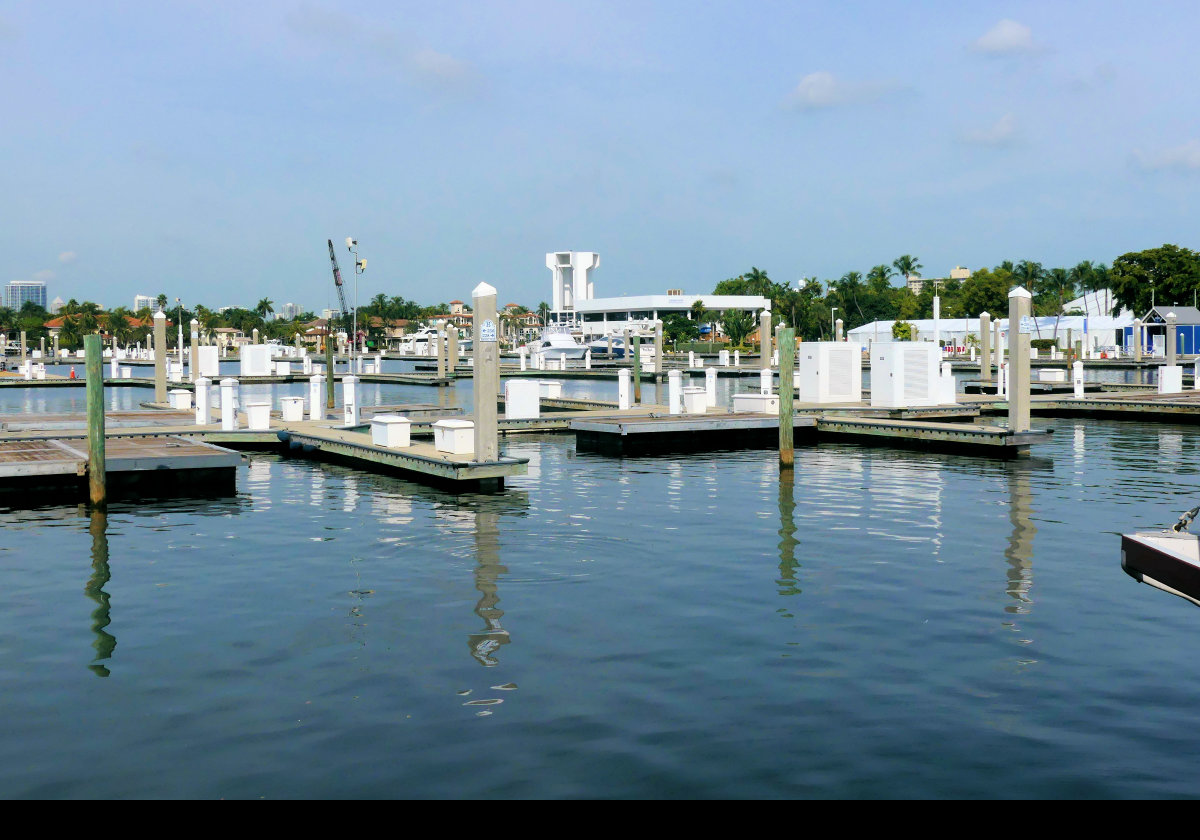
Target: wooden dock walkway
x,y
47,469
718,430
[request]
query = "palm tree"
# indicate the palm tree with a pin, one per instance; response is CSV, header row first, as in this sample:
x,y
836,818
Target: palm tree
x,y
161,300
544,313
698,311
1058,282
907,265
737,324
265,307
880,278
848,288
757,282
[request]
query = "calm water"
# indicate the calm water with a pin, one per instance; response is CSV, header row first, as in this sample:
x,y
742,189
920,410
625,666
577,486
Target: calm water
x,y
889,624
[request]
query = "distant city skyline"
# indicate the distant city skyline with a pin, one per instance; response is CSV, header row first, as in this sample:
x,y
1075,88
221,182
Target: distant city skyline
x,y
461,143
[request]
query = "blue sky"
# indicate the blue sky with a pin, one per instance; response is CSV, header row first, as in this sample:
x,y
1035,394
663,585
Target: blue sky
x,y
207,150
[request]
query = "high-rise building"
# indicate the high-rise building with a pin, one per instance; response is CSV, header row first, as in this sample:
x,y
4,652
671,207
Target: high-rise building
x,y
289,311
141,302
57,304
19,291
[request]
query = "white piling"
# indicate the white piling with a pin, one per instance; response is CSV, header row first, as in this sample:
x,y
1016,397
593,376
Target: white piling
x,y
522,353
316,397
203,415
229,405
350,400
587,359
737,358
710,385
1077,379
691,358
624,389
766,379
675,391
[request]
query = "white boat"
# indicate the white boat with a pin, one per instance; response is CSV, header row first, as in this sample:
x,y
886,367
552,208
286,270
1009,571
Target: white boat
x,y
1166,560
599,347
421,343
555,344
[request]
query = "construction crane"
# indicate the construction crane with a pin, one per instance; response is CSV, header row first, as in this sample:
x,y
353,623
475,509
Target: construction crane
x,y
337,281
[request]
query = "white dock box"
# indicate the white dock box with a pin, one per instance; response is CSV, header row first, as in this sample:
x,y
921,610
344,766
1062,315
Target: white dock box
x,y
456,437
904,374
828,372
695,400
292,408
391,431
283,368
1052,375
550,388
258,415
522,399
1170,379
756,404
180,399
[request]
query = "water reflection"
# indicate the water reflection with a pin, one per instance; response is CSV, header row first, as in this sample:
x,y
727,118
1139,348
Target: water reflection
x,y
488,570
1019,551
787,530
105,642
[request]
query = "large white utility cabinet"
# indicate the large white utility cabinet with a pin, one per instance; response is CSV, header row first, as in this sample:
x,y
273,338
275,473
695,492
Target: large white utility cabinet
x,y
828,372
255,360
904,373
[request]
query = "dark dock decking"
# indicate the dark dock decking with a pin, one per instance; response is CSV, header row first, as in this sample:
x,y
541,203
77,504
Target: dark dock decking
x,y
676,433
55,469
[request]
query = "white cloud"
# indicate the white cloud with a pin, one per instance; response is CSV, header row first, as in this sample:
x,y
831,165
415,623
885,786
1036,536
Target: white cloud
x,y
67,257
1000,133
44,275
1006,38
824,90
1185,156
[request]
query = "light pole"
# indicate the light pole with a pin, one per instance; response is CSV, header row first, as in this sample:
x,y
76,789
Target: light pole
x,y
359,267
832,323
180,332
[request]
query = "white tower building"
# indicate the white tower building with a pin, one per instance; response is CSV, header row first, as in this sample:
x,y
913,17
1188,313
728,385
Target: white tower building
x,y
572,280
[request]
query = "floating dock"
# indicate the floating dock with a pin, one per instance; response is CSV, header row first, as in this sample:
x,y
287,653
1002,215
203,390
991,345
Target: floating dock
x,y
676,433
55,469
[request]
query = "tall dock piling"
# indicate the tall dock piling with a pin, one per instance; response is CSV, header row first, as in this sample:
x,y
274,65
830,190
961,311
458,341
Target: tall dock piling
x,y
1172,327
97,476
486,350
764,339
637,369
330,379
193,366
985,347
1020,305
1137,339
787,361
658,351
160,356
440,345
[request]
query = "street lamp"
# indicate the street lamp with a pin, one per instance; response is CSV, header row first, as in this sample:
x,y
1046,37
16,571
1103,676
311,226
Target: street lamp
x,y
359,267
832,323
180,319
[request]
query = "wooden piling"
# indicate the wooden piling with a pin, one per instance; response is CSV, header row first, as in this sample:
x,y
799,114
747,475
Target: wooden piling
x,y
764,340
160,356
985,347
787,363
486,350
97,480
330,379
637,369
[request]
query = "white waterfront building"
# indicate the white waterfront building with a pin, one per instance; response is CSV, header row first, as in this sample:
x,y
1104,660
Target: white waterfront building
x,y
575,304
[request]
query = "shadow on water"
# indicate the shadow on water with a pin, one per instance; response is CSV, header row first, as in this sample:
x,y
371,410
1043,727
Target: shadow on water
x,y
485,513
1019,551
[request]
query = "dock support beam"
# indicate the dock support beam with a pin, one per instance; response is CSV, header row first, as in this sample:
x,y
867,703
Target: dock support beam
x,y
985,347
1137,339
440,346
160,356
1020,305
1172,320
787,361
97,476
451,352
486,349
764,339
